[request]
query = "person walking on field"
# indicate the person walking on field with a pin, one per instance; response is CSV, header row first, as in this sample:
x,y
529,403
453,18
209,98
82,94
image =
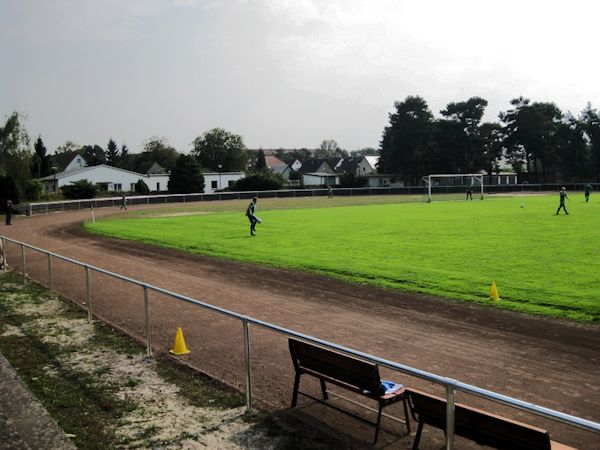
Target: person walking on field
x,y
250,213
587,191
563,197
9,211
123,202
329,191
469,192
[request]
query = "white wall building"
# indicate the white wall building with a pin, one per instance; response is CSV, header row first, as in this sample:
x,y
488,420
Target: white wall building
x,y
106,177
320,179
215,181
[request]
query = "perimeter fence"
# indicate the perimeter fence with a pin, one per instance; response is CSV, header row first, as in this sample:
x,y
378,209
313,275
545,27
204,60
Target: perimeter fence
x,y
211,328
158,199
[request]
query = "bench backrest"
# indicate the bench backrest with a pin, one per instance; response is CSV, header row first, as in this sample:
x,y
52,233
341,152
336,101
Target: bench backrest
x,y
351,373
479,426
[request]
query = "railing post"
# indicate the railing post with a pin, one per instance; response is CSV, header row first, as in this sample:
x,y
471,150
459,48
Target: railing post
x,y
50,287
247,366
147,322
4,262
23,264
88,293
449,417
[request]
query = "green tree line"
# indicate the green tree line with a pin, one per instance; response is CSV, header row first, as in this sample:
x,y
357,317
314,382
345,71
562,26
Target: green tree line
x,y
534,138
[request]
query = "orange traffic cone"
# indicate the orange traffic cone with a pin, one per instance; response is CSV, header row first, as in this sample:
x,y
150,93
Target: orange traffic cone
x,y
494,292
179,347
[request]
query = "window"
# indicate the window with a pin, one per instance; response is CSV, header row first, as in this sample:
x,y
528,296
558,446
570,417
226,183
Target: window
x,y
213,184
117,187
132,186
158,186
230,183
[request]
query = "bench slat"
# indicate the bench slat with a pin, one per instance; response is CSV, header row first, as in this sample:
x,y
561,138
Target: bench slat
x,y
363,376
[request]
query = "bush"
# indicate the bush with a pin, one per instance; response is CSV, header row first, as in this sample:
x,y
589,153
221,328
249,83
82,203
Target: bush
x,y
79,190
141,187
350,180
34,189
259,182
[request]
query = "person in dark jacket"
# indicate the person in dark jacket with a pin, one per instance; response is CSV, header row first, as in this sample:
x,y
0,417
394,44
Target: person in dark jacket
x,y
587,190
251,214
563,197
9,211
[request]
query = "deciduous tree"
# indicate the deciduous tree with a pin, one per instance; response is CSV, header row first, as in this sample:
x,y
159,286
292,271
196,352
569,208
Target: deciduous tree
x,y
220,147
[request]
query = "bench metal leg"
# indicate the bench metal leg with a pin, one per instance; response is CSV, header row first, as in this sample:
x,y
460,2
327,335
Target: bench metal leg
x,y
404,402
378,422
418,436
324,390
296,387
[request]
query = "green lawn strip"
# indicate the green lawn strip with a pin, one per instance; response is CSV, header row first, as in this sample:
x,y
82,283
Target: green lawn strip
x,y
81,407
89,409
542,263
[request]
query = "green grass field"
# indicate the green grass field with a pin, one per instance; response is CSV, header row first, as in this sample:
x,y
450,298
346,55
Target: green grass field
x,y
542,263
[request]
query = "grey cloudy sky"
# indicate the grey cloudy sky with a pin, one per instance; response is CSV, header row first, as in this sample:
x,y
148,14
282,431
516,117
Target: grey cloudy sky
x,y
282,73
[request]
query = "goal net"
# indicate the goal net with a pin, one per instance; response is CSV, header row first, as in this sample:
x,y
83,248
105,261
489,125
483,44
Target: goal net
x,y
453,186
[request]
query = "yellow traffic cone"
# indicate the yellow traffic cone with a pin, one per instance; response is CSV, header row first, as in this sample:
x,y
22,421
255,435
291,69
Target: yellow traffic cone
x,y
179,347
494,292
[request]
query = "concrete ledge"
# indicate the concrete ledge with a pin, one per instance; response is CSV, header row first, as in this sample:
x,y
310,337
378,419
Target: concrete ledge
x,y
24,423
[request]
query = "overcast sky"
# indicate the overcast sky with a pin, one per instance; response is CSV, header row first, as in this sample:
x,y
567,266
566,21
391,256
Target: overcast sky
x,y
282,73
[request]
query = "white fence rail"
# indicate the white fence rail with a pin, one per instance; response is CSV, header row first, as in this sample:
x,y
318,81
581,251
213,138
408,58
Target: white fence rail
x,y
64,205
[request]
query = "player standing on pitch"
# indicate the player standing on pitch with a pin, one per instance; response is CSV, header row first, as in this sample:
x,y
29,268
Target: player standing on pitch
x,y
251,216
563,196
587,191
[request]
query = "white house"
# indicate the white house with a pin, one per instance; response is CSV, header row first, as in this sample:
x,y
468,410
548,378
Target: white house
x,y
216,181
106,177
367,165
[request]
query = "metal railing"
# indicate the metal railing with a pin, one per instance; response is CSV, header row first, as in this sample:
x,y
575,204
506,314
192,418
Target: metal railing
x,y
451,385
64,205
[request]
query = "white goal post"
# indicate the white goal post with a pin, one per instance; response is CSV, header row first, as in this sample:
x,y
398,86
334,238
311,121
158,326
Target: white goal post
x,y
453,180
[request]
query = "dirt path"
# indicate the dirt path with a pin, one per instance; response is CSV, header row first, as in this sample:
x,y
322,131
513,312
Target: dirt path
x,y
548,362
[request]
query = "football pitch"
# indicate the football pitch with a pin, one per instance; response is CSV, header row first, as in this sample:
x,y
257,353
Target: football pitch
x,y
542,263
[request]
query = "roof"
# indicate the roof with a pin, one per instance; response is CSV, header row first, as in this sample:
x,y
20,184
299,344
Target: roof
x,y
313,165
348,164
281,168
151,167
321,174
271,161
62,160
372,160
87,169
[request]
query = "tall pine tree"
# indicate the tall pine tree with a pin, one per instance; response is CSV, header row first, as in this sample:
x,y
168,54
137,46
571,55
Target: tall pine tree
x,y
112,153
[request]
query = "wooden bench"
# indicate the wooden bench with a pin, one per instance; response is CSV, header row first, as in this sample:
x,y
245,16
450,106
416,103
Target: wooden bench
x,y
345,371
477,425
